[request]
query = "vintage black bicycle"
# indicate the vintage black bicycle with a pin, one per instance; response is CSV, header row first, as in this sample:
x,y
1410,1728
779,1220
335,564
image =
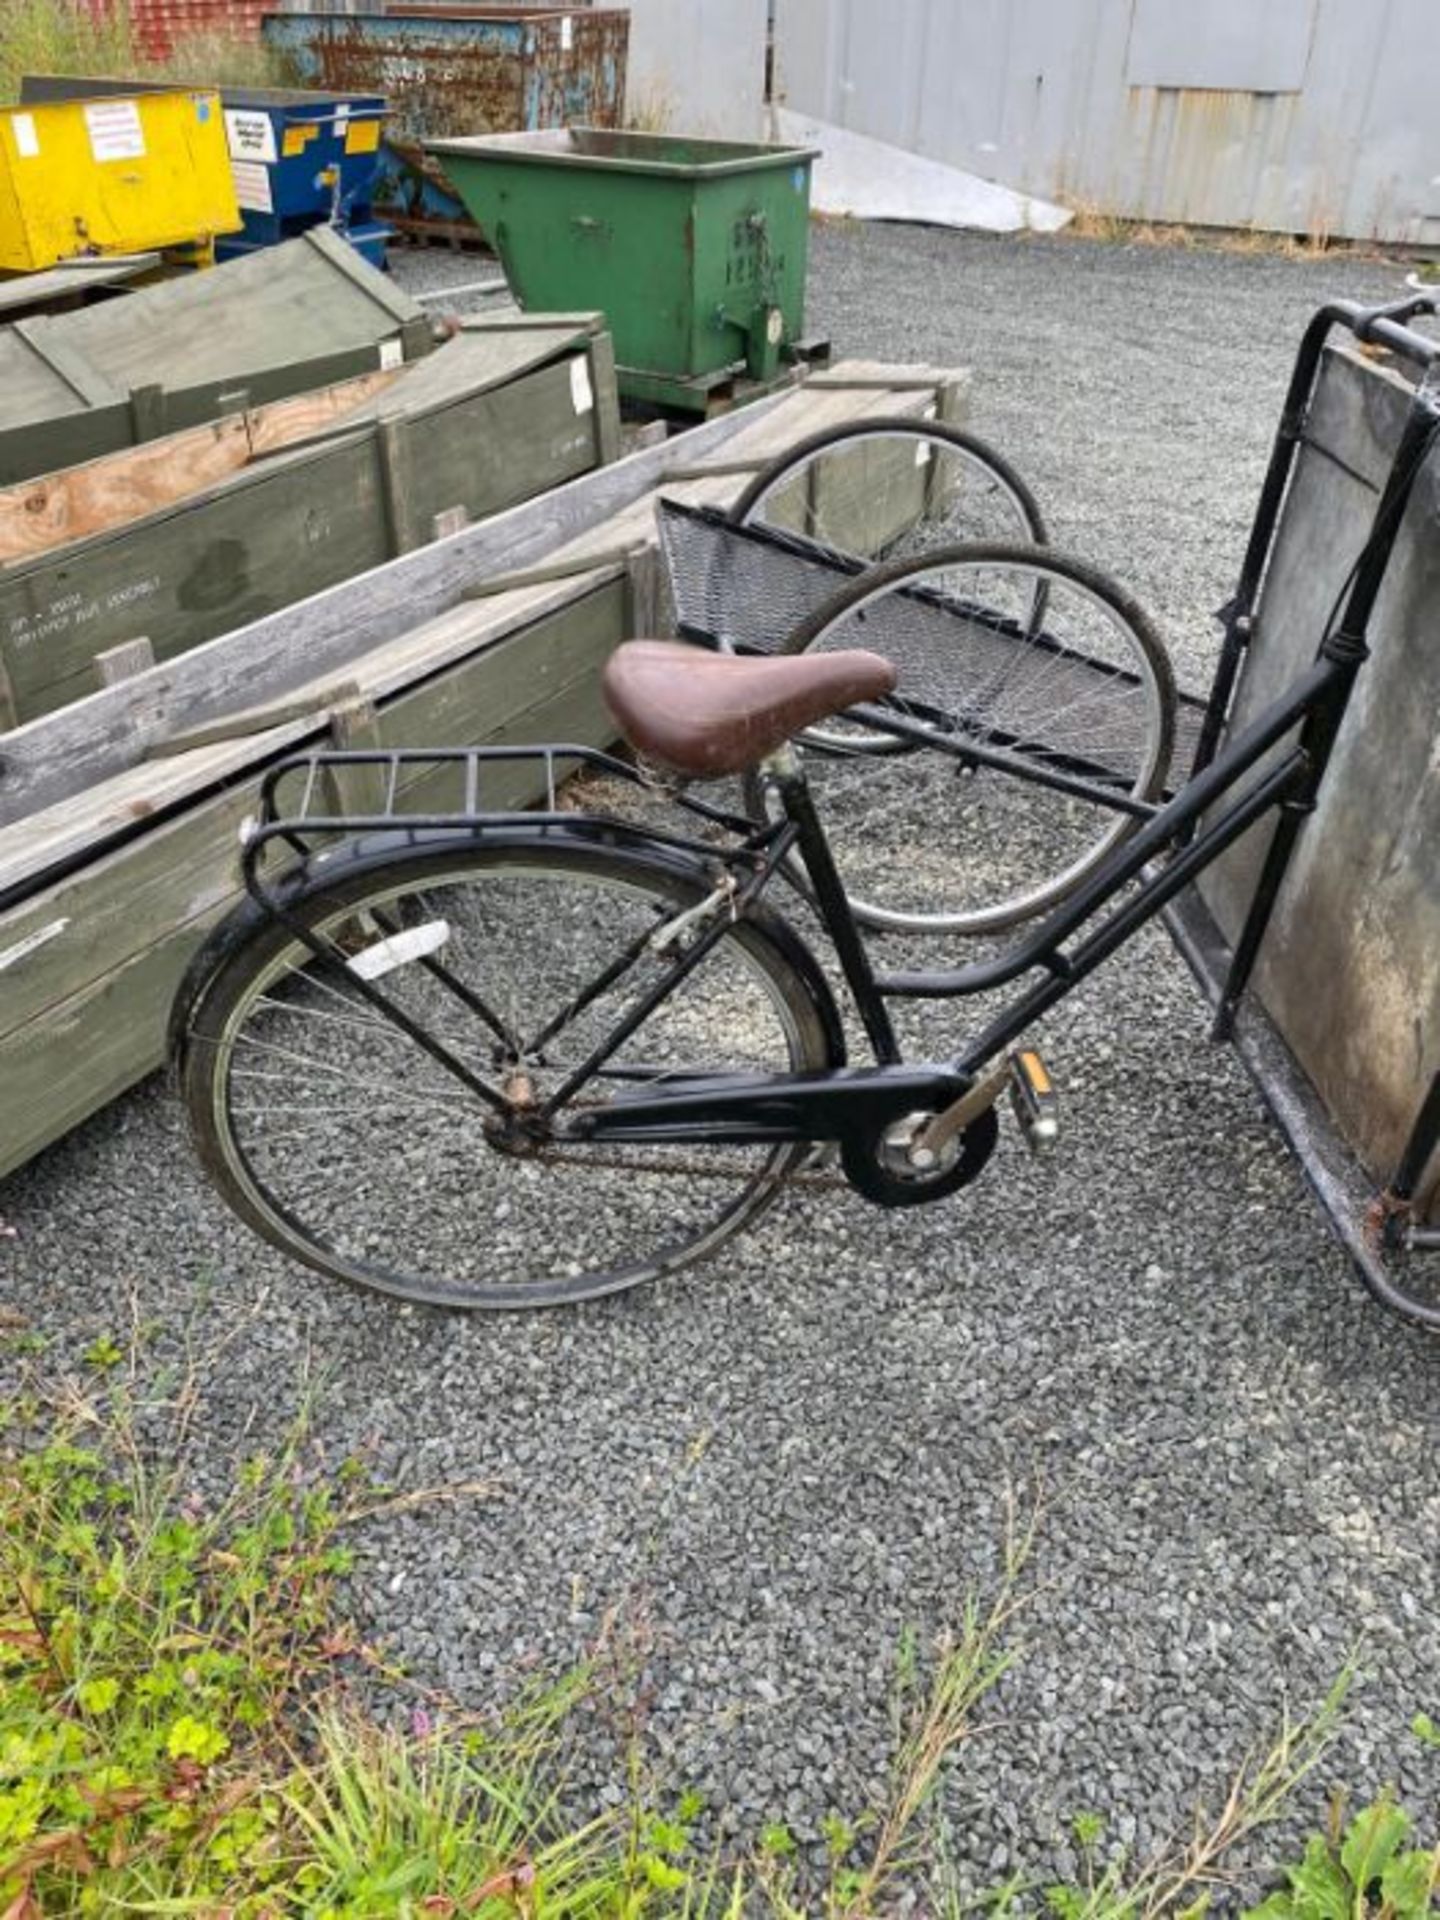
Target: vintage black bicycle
x,y
481,1054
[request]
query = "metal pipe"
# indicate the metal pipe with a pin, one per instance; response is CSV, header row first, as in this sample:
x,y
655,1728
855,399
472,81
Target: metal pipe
x,y
1424,1138
1126,919
1003,761
1127,861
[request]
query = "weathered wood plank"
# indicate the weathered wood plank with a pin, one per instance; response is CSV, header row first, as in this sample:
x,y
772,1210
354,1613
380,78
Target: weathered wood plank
x,y
295,317
96,1016
76,829
308,703
125,661
608,438
63,832
122,487
479,424
67,1064
58,941
94,739
269,534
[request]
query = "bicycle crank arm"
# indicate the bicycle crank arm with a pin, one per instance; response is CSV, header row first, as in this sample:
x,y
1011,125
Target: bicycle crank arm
x,y
854,1105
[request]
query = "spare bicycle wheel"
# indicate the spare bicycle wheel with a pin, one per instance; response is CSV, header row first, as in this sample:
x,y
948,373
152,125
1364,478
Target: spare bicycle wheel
x,y
1016,650
891,488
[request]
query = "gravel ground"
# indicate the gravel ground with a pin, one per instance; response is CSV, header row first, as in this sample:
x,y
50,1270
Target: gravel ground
x,y
773,1466
455,279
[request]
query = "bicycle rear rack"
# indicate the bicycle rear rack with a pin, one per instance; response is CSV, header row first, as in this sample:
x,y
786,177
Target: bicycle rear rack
x,y
330,794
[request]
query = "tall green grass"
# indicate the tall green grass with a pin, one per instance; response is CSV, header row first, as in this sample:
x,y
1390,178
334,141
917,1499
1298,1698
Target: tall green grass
x,y
70,36
63,36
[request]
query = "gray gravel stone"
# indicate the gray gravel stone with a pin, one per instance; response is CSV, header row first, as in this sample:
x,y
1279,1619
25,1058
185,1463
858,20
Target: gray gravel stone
x,y
770,1468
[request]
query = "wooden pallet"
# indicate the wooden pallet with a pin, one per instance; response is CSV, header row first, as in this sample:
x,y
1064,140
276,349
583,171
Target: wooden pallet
x,y
458,236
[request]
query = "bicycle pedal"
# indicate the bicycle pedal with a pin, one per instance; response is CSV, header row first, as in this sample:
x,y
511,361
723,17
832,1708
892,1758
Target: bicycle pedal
x,y
1036,1103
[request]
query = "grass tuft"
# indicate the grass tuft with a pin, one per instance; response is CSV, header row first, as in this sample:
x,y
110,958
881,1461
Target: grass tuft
x,y
75,36
182,1732
1090,222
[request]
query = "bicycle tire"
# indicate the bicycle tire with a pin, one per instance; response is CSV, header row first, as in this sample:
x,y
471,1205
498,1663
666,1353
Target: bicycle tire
x,y
856,784
417,1171
937,440
969,448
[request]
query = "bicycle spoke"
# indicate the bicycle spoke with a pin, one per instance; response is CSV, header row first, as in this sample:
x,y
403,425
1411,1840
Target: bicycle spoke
x,y
1085,694
351,1150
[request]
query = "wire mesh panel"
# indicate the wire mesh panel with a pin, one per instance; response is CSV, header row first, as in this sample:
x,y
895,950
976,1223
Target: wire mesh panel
x,y
741,589
749,589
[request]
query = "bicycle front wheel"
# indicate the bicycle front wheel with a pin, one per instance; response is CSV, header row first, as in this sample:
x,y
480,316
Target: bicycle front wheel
x,y
1017,650
335,1134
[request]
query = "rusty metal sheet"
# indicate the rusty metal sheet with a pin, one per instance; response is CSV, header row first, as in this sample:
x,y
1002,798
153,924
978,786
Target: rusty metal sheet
x,y
473,71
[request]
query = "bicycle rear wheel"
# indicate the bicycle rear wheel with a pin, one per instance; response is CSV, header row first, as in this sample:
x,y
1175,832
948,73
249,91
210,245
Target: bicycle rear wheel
x,y
336,1136
1012,648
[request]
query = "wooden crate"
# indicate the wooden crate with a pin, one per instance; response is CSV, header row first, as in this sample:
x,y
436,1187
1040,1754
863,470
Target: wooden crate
x,y
119,813
204,532
76,385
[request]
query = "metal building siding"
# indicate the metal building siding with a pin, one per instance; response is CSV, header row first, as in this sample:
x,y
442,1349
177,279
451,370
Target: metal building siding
x,y
1318,117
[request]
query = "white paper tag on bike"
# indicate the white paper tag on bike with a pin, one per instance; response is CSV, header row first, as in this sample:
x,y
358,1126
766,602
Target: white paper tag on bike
x,y
399,949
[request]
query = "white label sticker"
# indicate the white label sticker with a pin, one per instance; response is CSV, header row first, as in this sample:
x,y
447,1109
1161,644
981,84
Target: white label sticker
x,y
392,355
252,185
580,391
27,141
567,34
115,130
922,453
250,136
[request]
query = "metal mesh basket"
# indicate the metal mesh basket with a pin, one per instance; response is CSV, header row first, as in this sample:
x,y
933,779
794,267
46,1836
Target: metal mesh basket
x,y
744,589
747,589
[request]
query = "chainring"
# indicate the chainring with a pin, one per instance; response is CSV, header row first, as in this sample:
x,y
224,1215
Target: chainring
x,y
867,1173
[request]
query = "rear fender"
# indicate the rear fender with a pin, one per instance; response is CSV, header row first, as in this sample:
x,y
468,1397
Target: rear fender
x,y
374,851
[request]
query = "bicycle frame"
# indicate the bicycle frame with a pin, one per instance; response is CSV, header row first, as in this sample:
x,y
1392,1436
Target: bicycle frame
x,y
1203,819
1261,772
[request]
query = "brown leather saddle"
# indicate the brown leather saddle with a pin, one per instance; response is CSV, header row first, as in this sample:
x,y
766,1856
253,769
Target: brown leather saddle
x,y
717,713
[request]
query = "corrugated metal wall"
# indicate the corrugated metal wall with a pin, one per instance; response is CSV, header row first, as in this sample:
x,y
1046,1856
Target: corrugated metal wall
x,y
1301,116
699,65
